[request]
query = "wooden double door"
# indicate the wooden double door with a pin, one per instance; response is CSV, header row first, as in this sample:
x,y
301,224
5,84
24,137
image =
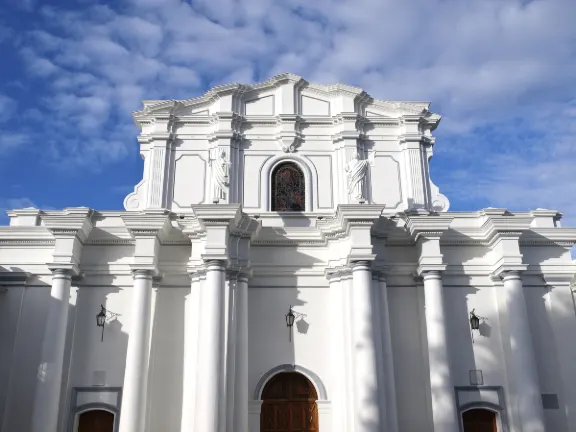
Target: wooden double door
x,y
96,421
289,404
479,420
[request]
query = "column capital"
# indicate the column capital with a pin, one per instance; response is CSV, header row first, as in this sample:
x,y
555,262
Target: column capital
x,y
140,273
360,265
71,269
431,275
507,275
215,265
508,272
62,273
240,274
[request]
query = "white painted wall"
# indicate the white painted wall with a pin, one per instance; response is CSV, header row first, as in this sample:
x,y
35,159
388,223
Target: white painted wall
x,y
299,282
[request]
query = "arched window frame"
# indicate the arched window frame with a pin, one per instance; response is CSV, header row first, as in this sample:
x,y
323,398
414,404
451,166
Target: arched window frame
x,y
314,379
310,179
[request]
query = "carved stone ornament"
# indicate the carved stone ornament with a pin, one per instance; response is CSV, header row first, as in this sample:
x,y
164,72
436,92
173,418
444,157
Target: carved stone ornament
x,y
439,201
288,144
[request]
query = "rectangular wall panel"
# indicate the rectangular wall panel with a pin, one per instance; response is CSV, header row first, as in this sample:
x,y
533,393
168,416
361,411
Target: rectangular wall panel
x,y
325,190
189,180
385,176
252,174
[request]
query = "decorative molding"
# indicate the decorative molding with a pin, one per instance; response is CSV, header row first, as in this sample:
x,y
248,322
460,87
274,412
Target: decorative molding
x,y
315,379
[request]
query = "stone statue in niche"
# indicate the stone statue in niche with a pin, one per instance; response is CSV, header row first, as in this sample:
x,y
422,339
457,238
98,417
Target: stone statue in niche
x,y
220,170
357,169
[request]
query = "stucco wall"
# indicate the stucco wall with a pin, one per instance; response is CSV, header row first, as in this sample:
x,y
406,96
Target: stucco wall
x,y
298,282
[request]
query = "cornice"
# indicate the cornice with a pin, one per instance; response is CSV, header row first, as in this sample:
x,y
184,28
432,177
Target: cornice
x,y
149,223
430,225
70,222
11,278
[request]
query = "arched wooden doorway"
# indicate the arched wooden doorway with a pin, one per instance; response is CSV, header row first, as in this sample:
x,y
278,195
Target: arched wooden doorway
x,y
289,404
479,420
96,421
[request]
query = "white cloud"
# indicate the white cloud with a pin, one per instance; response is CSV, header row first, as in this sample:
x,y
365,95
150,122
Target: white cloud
x,y
12,140
7,107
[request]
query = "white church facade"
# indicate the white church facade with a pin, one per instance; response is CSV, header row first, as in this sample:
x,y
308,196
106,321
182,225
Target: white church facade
x,y
286,264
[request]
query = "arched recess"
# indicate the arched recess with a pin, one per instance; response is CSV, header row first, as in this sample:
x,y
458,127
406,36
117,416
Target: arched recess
x,y
482,417
310,179
96,418
314,379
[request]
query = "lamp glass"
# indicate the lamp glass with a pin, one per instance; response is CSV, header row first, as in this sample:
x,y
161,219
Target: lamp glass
x,y
474,322
101,318
290,318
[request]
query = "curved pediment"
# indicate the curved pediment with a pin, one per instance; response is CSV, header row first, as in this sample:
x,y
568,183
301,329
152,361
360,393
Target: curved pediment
x,y
284,94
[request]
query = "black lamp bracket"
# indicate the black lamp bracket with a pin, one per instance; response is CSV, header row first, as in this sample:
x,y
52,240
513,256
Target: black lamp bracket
x,y
297,315
108,316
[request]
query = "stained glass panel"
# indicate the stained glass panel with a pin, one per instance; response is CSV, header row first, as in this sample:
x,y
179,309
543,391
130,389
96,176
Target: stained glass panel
x,y
288,190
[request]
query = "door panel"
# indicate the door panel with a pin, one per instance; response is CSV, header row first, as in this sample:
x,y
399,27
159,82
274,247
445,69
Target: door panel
x,y
479,420
289,404
96,421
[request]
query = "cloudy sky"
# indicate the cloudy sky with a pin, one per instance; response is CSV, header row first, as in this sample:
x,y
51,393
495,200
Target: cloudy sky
x,y
501,72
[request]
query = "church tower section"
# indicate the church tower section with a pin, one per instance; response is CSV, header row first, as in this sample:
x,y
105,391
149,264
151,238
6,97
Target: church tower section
x,y
286,145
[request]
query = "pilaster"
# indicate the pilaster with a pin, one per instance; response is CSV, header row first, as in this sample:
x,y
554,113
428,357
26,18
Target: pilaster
x,y
347,140
225,149
414,142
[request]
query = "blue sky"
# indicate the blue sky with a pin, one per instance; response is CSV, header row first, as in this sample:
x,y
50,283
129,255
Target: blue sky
x,y
501,72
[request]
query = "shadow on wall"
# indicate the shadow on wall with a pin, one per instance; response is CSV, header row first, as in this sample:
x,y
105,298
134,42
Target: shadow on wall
x,y
98,354
165,388
23,368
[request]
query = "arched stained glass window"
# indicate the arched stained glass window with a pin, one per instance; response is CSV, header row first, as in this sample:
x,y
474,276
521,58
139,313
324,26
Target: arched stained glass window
x,y
288,190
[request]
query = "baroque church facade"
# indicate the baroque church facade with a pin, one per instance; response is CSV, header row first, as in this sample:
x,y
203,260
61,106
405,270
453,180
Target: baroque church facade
x,y
286,264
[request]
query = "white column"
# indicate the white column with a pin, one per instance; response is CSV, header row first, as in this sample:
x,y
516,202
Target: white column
x,y
230,341
210,388
241,388
444,412
524,371
338,355
192,321
133,410
48,389
366,406
390,384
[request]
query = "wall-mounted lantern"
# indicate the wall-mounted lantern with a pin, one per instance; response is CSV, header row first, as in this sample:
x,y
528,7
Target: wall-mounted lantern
x,y
101,318
291,317
475,322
